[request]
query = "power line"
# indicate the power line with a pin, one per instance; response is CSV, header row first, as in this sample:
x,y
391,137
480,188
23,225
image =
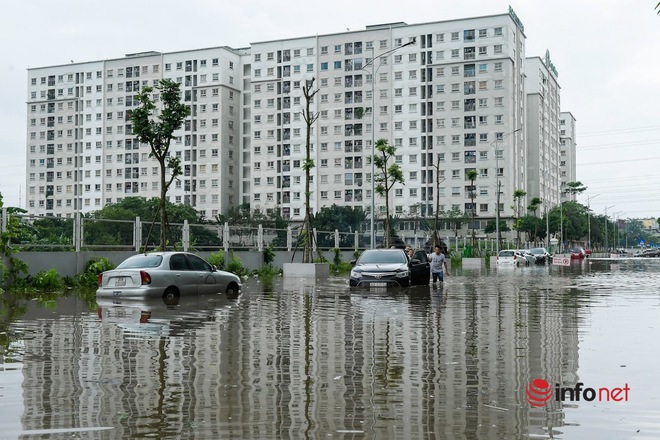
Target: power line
x,y
617,145
620,131
641,159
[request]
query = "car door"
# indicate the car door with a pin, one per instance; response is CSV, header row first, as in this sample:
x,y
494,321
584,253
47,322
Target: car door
x,y
420,273
183,274
208,281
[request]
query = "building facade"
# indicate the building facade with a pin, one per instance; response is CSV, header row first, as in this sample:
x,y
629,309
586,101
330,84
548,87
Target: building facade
x,y
568,149
449,95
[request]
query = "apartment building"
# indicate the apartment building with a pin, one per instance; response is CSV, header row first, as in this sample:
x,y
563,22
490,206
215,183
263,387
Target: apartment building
x,y
449,95
568,149
542,132
82,154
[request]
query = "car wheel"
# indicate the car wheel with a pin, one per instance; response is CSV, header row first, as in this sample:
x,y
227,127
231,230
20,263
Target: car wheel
x,y
232,291
171,296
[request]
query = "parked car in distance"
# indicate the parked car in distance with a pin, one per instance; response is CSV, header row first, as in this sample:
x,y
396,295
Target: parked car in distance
x,y
390,268
541,255
166,275
577,253
525,257
507,256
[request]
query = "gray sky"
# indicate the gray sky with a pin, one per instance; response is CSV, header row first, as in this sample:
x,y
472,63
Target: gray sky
x,y
606,53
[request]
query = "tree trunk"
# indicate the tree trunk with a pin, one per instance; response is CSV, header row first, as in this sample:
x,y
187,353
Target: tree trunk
x,y
161,205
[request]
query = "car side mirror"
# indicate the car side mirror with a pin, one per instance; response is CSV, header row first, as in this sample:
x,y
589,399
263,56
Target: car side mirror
x,y
353,262
415,261
214,268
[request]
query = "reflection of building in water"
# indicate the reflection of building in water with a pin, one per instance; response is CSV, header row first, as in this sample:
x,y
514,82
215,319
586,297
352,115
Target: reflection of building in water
x,y
307,362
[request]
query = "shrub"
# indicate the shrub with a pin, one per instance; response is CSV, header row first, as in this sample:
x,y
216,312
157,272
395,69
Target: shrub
x,y
89,276
217,259
47,280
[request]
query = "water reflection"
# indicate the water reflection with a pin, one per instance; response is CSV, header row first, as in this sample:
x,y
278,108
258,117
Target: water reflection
x,y
294,358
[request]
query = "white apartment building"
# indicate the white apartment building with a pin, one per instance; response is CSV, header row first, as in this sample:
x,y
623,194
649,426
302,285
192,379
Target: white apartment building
x,y
450,100
450,95
542,131
567,152
82,155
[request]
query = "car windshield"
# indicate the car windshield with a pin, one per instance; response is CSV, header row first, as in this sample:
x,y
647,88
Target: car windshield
x,y
537,251
506,253
379,257
141,261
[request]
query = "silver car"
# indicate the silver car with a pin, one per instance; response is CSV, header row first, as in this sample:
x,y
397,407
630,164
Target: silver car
x,y
166,275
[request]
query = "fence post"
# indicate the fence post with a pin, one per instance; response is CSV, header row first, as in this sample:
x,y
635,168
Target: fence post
x,y
260,238
225,239
77,231
289,238
3,228
137,234
336,238
315,240
186,236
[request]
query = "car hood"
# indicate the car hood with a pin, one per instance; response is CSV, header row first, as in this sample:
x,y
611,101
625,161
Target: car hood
x,y
390,267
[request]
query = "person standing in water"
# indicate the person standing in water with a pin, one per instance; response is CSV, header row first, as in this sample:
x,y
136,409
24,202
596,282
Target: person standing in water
x,y
438,265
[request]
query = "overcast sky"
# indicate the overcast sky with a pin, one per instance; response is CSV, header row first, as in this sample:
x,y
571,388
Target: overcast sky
x,y
606,53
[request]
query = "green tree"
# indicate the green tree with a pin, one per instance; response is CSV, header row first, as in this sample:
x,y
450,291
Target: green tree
x,y
517,199
388,176
573,188
342,218
533,207
309,117
472,176
491,227
455,217
156,128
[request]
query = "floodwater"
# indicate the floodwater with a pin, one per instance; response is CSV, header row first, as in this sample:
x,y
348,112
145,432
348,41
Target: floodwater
x,y
298,359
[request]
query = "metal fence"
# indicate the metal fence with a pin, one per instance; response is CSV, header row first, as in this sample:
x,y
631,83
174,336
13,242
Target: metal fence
x,y
81,233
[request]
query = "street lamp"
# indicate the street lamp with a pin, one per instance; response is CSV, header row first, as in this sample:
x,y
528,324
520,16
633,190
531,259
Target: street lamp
x,y
615,229
606,244
497,175
374,70
589,219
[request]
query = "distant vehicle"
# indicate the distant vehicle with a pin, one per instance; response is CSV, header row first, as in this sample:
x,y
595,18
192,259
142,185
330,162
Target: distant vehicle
x,y
526,256
507,256
541,255
166,275
390,268
577,253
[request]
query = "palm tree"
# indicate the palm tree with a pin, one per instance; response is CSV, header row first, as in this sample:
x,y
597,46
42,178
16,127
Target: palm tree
x,y
472,176
517,197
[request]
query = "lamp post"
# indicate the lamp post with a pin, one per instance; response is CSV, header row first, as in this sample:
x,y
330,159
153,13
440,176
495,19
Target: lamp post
x,y
589,219
374,70
497,175
606,220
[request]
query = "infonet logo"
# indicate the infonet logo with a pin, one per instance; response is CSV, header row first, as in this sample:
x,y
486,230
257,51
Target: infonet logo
x,y
539,392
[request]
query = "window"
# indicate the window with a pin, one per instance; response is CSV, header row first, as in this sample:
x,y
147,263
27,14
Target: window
x,y
497,48
498,31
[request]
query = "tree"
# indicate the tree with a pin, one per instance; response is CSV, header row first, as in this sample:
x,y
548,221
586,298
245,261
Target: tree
x,y
491,227
533,207
156,126
309,118
517,198
658,7
455,217
472,176
388,176
573,188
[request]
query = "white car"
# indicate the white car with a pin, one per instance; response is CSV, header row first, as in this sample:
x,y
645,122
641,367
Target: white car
x,y
507,256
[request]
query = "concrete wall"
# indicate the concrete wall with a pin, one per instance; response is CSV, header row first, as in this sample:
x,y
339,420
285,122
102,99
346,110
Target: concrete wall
x,y
72,263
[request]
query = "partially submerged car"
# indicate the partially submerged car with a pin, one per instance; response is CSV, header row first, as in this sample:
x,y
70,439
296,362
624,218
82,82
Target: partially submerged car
x,y
390,268
166,275
541,255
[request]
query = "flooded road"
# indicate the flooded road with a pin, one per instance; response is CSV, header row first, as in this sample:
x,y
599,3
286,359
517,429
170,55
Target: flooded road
x,y
484,356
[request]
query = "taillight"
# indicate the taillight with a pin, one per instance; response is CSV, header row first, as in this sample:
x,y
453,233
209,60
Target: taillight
x,y
498,258
514,257
145,277
100,279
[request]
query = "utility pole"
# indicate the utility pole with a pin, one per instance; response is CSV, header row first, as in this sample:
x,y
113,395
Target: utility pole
x,y
589,219
607,248
498,186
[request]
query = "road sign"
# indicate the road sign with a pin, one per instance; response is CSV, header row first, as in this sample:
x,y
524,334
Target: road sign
x,y
561,260
641,242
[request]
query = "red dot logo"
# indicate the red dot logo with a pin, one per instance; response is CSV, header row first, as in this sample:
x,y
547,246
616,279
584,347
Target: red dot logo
x,y
538,392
